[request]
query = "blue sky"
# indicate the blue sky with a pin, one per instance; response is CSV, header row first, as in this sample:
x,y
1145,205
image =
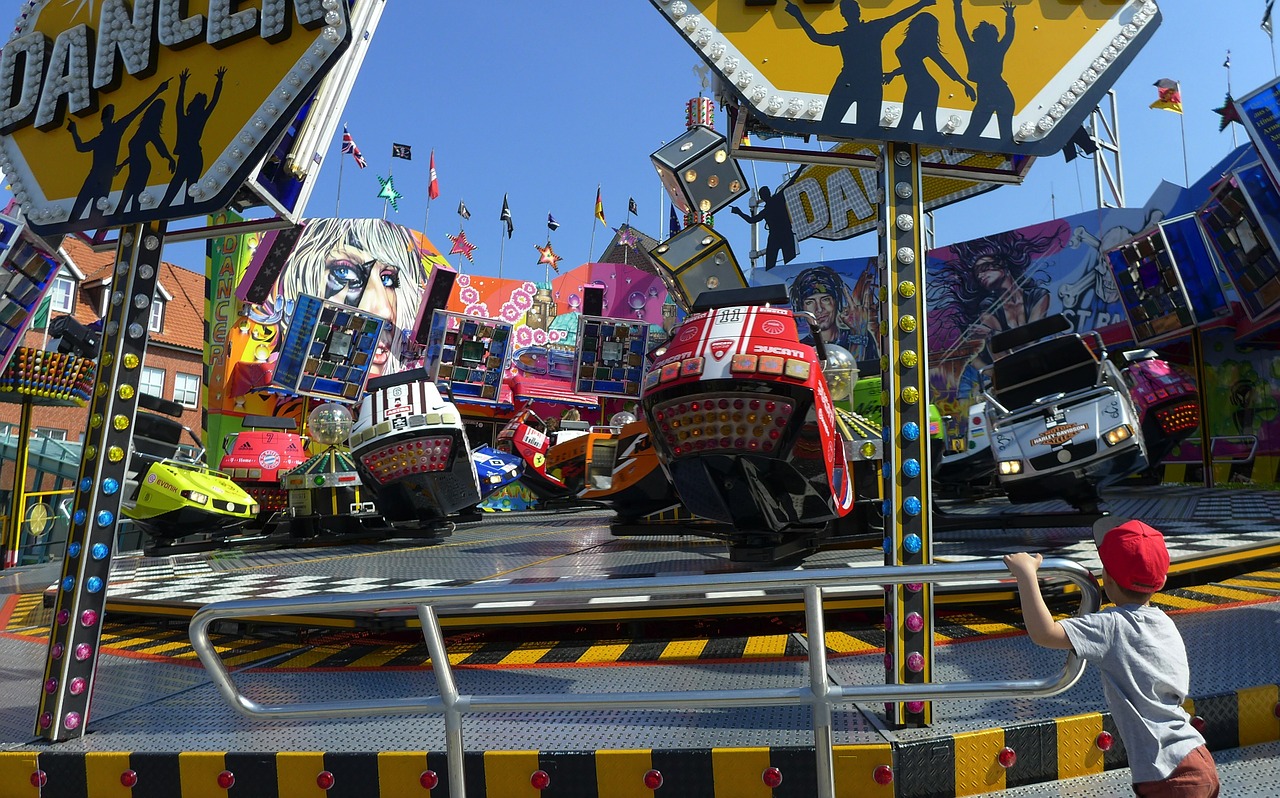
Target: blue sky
x,y
545,101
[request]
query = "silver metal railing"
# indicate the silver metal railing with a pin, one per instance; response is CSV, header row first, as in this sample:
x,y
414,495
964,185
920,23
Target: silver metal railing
x,y
819,694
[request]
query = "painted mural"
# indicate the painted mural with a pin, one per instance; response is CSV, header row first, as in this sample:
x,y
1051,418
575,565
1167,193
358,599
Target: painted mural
x,y
381,267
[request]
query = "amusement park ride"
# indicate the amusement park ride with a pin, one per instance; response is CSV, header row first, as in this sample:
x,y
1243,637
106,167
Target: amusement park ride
x,y
742,425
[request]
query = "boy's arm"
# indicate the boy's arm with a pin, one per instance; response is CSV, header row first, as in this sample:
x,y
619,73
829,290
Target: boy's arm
x,y
1041,627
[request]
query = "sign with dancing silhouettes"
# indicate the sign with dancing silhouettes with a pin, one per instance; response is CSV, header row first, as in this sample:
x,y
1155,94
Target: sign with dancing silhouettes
x,y
1012,77
115,114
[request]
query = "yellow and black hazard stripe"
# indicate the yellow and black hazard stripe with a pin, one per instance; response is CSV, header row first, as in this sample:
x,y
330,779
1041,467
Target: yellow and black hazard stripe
x,y
970,763
692,773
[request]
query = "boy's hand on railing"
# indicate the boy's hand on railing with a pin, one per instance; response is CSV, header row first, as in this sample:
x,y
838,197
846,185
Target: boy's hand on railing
x,y
1023,565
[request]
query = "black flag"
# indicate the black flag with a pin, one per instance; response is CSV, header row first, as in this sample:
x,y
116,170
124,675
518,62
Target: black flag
x,y
506,216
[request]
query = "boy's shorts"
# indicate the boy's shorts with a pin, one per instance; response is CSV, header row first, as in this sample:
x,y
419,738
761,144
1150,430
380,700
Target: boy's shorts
x,y
1195,777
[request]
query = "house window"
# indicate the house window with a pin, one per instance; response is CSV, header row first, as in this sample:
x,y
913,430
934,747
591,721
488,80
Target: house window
x,y
62,294
50,433
156,324
186,389
152,381
8,431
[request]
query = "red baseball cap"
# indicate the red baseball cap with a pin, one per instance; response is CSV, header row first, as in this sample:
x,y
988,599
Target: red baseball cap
x,y
1135,556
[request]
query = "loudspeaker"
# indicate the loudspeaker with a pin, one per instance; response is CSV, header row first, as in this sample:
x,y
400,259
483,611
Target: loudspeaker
x,y
269,260
593,300
435,296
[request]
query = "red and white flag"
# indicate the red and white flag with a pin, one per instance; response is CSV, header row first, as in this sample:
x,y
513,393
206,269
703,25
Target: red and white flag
x,y
433,189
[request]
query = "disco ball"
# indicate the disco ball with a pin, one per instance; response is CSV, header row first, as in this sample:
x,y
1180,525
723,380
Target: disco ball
x,y
329,424
841,371
621,419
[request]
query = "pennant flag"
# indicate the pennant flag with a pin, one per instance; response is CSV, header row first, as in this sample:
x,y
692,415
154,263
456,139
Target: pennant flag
x,y
349,148
433,188
1266,17
506,216
600,207
1170,96
552,224
388,192
548,256
462,210
631,206
626,236
401,151
674,222
1228,113
461,246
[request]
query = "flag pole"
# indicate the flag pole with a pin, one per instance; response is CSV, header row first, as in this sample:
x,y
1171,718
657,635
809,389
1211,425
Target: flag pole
x,y
426,215
1186,173
1227,64
384,201
502,249
337,201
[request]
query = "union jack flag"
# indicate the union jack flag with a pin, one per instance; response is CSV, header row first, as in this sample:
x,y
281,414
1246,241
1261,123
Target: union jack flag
x,y
349,147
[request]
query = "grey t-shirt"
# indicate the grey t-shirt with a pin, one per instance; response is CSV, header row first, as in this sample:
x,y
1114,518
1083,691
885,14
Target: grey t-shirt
x,y
1145,679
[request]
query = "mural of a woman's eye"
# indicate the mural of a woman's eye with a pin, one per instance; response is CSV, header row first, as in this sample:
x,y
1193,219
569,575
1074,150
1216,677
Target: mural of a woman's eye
x,y
390,278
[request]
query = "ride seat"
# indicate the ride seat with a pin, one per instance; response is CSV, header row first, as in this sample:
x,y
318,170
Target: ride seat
x,y
1056,365
156,437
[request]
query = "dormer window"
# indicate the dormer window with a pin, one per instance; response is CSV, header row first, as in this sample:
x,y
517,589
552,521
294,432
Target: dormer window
x,y
62,294
156,323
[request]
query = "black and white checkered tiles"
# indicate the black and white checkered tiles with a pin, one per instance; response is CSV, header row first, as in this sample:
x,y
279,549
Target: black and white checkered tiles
x,y
1195,522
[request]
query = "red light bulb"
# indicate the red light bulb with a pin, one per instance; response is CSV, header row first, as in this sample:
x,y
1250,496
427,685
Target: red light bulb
x,y
129,778
1007,757
226,779
540,780
1198,723
771,777
1105,741
883,774
429,780
653,779
39,778
324,780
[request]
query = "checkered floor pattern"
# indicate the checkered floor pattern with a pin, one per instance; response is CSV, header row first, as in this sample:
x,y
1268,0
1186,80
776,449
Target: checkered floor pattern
x,y
1195,522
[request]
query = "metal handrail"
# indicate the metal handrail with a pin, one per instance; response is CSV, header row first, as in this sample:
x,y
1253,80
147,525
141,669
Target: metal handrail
x,y
819,694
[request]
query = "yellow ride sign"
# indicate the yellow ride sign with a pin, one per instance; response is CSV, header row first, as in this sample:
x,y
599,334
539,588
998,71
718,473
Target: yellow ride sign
x,y
986,76
115,112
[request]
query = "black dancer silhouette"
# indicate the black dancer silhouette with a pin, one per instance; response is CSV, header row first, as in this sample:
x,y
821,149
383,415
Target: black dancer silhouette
x,y
105,148
922,43
191,122
860,79
138,161
985,52
773,212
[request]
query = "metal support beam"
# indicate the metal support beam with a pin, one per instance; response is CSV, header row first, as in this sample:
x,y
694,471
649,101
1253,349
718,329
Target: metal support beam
x,y
18,497
905,373
76,633
1108,171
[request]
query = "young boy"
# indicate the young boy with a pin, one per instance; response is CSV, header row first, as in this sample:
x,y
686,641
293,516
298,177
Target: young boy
x,y
1145,677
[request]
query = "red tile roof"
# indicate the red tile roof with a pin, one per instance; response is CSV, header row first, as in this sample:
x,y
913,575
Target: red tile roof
x,y
183,324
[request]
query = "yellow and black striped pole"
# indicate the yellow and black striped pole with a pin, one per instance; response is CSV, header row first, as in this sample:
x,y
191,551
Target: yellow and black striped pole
x,y
905,376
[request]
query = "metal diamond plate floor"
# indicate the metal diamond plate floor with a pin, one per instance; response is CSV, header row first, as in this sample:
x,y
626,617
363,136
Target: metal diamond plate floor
x,y
1200,526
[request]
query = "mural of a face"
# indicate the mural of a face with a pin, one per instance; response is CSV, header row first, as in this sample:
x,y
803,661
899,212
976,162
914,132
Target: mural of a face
x,y
369,264
823,306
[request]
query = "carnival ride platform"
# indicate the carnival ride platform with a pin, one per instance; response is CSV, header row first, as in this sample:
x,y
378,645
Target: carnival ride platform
x,y
157,715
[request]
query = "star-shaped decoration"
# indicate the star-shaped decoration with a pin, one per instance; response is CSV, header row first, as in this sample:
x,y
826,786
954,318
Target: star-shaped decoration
x,y
388,192
548,256
461,246
627,237
1228,113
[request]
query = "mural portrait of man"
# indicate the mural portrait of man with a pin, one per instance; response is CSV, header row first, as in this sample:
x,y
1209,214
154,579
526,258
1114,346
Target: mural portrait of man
x,y
845,317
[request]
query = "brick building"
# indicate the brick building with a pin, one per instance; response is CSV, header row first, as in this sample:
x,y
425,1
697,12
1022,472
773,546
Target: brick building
x,y
173,367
